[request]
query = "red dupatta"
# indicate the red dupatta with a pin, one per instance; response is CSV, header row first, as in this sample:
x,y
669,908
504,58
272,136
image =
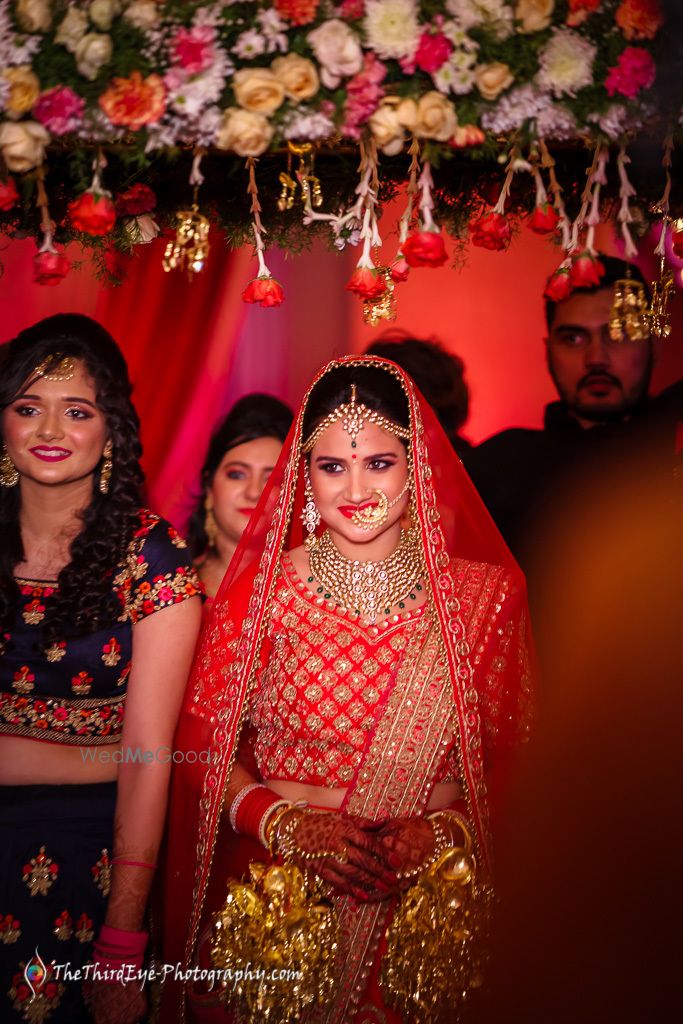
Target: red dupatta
x,y
453,524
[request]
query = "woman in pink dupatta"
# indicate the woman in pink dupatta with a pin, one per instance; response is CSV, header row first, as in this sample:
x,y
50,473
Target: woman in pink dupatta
x,y
382,715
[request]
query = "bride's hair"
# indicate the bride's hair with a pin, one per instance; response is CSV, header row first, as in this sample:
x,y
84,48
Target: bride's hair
x,y
376,387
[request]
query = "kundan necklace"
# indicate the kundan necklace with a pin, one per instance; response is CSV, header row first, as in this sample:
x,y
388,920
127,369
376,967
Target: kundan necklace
x,y
368,588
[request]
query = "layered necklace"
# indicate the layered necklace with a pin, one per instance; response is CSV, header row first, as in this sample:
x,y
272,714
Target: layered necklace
x,y
369,588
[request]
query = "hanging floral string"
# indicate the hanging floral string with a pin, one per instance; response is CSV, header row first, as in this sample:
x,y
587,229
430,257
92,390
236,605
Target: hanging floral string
x,y
564,224
400,267
663,287
93,212
626,192
493,230
190,248
50,266
262,290
425,247
545,219
366,280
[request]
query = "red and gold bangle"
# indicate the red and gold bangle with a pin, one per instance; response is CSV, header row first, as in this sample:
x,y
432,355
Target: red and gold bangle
x,y
250,810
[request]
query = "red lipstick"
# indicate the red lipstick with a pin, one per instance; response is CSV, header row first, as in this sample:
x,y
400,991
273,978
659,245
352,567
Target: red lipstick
x,y
350,510
245,511
47,453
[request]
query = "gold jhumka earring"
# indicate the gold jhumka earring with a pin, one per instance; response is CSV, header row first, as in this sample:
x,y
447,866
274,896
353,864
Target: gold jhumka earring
x,y
210,525
107,466
9,474
310,515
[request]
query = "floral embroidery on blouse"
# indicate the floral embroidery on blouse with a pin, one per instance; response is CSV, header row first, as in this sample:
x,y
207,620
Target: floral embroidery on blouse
x,y
82,722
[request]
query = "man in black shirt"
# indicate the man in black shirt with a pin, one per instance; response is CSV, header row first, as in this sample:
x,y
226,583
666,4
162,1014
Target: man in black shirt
x,y
531,479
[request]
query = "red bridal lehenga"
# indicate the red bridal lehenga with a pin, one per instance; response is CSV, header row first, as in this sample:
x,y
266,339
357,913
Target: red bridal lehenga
x,y
386,710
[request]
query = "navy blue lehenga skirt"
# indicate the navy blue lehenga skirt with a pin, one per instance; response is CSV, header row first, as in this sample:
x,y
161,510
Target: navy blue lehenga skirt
x,y
55,848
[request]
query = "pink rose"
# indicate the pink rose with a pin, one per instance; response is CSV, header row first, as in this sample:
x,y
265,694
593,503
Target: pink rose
x,y
635,70
193,48
50,267
60,110
367,282
433,50
264,291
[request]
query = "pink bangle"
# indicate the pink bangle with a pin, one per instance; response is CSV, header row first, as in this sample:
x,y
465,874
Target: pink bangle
x,y
116,948
134,863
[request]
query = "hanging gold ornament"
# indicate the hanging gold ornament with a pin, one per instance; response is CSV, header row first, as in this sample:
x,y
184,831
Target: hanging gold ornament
x,y
304,177
190,248
383,307
662,292
630,316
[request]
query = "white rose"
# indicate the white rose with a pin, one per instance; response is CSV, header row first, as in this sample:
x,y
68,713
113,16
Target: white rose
x,y
144,14
93,51
34,15
102,13
298,76
244,132
491,79
258,90
406,112
436,118
142,229
338,50
22,144
72,29
386,127
534,15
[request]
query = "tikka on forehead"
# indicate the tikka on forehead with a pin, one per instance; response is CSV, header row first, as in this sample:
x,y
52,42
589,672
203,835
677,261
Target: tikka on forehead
x,y
354,415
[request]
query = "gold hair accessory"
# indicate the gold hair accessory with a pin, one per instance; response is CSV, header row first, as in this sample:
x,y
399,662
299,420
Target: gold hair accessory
x,y
354,415
369,588
210,525
9,474
311,514
63,367
436,943
629,316
107,466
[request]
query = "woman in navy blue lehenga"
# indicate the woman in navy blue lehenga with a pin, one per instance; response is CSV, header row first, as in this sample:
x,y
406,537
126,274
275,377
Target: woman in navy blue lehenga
x,y
96,619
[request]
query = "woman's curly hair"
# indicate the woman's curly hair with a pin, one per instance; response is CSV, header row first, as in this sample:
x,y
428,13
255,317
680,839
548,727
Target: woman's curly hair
x,y
84,601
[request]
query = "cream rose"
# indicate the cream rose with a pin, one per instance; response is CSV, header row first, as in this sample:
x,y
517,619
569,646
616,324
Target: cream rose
x,y
34,15
491,79
92,53
338,51
143,14
244,132
142,229
24,89
23,145
534,15
406,112
103,12
297,75
386,127
72,29
258,90
435,117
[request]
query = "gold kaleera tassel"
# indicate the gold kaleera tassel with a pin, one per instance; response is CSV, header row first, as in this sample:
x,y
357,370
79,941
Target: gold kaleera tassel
x,y
190,248
663,287
629,317
304,177
383,308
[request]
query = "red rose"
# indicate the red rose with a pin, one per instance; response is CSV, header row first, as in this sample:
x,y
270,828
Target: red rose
x,y
50,267
586,271
424,249
558,285
544,219
135,200
265,291
92,214
400,269
677,243
491,231
367,282
9,195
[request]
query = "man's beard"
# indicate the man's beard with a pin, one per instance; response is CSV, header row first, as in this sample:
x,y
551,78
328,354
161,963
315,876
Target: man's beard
x,y
592,409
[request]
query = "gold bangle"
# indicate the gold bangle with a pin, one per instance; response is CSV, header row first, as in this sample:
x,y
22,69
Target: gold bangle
x,y
277,812
460,820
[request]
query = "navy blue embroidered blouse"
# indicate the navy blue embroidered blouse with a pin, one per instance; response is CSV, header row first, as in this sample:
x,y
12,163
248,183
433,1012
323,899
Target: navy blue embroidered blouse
x,y
74,691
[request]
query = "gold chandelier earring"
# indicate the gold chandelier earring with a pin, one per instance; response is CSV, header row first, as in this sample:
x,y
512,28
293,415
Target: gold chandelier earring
x,y
310,515
9,474
107,466
210,525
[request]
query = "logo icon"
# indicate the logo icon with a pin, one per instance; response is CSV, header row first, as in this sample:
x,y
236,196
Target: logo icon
x,y
35,973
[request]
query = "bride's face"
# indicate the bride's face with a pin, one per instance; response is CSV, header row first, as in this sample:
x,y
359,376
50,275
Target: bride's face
x,y
345,478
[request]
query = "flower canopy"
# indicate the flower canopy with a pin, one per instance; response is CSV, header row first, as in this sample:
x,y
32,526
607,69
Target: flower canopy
x,y
101,98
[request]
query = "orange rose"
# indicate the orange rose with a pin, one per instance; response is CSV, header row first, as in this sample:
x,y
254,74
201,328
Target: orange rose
x,y
134,101
640,19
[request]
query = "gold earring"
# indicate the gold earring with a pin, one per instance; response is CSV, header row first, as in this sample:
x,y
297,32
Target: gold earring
x,y
9,474
107,466
210,525
310,515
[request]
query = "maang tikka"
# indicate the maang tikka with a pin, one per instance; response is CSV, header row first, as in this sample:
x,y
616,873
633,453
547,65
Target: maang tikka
x,y
310,515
